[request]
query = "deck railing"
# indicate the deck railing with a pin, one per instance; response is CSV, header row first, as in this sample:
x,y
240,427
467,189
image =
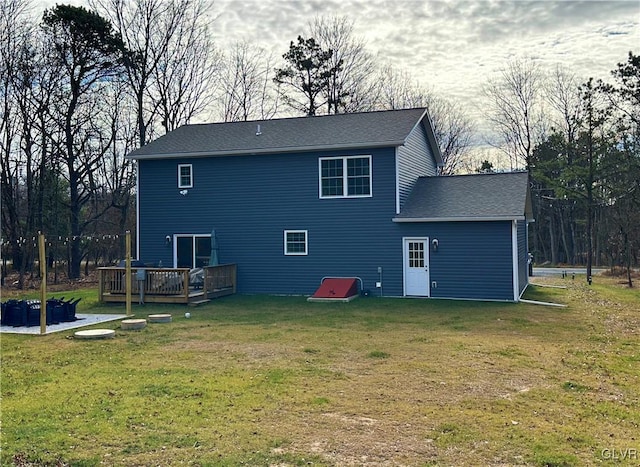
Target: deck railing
x,y
219,280
168,285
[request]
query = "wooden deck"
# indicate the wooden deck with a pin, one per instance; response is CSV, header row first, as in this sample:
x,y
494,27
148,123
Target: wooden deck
x,y
167,285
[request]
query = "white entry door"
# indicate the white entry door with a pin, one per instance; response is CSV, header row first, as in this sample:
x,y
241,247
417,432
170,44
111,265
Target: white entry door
x,y
416,266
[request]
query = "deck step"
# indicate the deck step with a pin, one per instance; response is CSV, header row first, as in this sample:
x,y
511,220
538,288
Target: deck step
x,y
199,302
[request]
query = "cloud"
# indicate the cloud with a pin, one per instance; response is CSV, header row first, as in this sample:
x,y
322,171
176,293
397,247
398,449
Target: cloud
x,y
451,45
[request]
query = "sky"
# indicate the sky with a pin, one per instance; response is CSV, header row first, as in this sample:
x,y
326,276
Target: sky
x,y
452,47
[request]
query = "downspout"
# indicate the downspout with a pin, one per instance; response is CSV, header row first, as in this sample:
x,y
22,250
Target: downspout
x,y
397,181
138,210
514,256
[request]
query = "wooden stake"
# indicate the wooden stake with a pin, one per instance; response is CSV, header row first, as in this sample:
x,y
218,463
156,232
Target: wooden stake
x,y
43,284
127,274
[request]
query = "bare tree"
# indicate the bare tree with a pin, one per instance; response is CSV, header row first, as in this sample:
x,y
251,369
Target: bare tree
x,y
453,129
23,164
246,91
185,81
563,95
515,110
622,98
88,51
351,88
561,91
113,181
146,32
454,132
170,60
398,90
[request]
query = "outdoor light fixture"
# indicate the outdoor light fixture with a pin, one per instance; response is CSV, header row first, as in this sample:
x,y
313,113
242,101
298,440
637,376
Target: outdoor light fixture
x,y
168,239
434,243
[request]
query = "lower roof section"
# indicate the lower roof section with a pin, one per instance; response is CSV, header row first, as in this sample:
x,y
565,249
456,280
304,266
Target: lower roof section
x,y
464,198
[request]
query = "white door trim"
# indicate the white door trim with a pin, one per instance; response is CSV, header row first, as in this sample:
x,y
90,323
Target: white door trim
x,y
193,246
407,286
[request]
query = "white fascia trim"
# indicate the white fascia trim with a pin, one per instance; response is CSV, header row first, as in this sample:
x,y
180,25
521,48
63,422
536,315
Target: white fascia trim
x,y
251,152
430,136
455,219
514,253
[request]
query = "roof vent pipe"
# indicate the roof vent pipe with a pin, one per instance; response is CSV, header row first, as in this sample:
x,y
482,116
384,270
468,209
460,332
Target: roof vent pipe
x,y
258,132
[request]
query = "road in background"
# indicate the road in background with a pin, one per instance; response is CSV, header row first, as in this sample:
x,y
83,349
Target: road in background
x,y
546,272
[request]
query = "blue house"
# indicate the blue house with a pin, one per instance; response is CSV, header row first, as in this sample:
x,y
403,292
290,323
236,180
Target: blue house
x,y
292,201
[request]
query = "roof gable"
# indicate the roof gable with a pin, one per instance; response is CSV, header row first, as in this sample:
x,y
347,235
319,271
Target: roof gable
x,y
328,132
501,196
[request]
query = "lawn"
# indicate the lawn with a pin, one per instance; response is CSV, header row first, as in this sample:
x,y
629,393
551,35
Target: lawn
x,y
260,380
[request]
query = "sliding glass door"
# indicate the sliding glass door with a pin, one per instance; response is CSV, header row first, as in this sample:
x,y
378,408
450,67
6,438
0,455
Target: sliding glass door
x,y
192,251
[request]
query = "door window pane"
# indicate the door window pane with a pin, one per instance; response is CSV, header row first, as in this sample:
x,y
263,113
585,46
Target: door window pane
x,y
416,254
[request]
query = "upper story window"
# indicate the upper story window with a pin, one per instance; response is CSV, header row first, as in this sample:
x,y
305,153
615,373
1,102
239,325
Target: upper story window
x,y
345,177
185,176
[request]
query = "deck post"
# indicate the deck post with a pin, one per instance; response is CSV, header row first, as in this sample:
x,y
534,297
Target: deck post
x,y
234,270
206,280
168,285
100,285
127,273
43,284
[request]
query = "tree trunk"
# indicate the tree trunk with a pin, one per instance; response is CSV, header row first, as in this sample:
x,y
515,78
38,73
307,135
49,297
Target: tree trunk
x,y
627,251
563,236
589,235
574,240
553,242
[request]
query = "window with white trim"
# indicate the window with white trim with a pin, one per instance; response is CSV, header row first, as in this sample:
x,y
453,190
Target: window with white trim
x,y
185,176
295,242
345,177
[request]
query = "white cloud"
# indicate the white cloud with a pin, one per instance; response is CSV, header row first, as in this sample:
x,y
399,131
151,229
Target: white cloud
x,y
452,47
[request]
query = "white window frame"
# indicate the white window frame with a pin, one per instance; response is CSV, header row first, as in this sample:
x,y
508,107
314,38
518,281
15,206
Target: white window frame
x,y
306,243
180,184
345,177
194,251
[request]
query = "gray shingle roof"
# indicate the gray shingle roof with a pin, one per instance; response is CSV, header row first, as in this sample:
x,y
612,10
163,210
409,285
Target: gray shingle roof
x,y
501,196
342,131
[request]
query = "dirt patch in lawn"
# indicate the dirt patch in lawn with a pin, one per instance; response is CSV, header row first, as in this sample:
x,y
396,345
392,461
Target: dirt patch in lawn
x,y
280,382
413,402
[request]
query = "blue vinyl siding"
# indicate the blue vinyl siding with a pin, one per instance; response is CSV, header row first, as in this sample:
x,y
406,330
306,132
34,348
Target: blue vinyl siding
x,y
473,259
415,159
252,200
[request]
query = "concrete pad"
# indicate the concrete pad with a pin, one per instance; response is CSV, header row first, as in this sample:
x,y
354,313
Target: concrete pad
x,y
133,324
83,320
95,334
162,318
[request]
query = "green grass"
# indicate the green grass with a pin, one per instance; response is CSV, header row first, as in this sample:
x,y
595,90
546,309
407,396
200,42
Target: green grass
x,y
261,380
